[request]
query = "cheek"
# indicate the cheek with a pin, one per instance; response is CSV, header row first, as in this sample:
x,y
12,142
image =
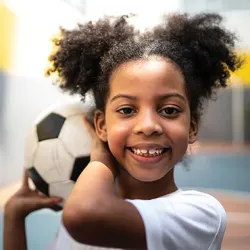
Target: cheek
x,y
179,134
116,136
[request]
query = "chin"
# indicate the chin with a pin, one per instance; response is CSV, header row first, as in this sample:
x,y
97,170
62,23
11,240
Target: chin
x,y
149,175
146,177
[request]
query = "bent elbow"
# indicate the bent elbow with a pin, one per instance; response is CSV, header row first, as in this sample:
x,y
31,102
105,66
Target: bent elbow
x,y
70,220
79,221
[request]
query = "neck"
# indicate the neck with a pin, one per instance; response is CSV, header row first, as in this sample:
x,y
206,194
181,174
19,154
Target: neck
x,y
131,188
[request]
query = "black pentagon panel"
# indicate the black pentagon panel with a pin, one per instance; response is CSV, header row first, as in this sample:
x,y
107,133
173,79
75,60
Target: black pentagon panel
x,y
79,165
50,127
39,182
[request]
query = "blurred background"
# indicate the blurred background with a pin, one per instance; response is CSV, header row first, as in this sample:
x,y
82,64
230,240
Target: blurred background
x,y
220,161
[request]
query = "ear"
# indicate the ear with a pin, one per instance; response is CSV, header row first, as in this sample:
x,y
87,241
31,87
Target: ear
x,y
100,125
193,131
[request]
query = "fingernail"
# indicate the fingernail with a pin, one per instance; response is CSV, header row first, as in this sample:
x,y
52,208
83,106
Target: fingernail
x,y
58,200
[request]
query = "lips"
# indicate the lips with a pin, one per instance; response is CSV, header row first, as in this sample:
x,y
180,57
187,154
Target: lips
x,y
149,146
148,150
149,159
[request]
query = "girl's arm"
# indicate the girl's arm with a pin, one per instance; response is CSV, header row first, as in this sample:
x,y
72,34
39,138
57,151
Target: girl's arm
x,y
14,233
94,215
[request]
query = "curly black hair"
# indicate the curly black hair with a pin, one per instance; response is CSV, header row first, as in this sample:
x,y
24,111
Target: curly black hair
x,y
85,57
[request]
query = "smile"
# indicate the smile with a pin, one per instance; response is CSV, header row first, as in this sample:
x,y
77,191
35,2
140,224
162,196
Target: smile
x,y
148,152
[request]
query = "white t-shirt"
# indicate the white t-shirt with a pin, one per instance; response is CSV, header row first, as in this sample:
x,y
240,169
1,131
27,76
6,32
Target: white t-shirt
x,y
183,220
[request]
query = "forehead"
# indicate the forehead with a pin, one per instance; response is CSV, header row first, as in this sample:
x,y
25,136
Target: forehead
x,y
155,72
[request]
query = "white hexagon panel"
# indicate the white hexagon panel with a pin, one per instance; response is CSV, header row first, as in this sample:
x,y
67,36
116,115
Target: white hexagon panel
x,y
61,189
31,146
52,161
74,127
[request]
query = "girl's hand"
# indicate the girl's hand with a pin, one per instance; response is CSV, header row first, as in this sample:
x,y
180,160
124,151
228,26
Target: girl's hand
x,y
100,150
26,200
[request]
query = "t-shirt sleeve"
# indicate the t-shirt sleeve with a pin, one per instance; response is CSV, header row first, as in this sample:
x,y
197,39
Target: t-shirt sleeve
x,y
191,220
60,241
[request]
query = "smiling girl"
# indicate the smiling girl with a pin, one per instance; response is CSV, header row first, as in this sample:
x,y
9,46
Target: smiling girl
x,y
149,90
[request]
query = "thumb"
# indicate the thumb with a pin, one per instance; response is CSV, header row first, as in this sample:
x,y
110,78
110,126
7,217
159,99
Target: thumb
x,y
90,127
47,202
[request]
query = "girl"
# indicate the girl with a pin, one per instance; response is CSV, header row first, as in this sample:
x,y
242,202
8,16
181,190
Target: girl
x,y
149,90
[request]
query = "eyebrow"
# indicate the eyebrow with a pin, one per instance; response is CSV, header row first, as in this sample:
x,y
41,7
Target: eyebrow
x,y
161,97
169,95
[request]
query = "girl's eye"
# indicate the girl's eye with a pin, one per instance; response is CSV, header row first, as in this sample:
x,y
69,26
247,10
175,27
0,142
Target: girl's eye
x,y
126,111
170,111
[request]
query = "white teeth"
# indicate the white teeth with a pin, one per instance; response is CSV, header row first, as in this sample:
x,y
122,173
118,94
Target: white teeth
x,y
145,152
152,151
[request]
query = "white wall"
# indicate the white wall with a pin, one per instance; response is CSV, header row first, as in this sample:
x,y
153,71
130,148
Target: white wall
x,y
148,12
238,21
36,23
236,13
26,92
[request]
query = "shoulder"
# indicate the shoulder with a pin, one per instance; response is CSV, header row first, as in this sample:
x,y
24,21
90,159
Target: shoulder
x,y
188,202
184,218
197,201
199,206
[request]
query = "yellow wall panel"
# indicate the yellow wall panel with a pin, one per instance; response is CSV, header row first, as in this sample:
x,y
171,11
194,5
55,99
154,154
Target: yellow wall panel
x,y
243,74
7,34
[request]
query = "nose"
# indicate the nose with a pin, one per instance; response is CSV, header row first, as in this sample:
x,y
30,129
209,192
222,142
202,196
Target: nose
x,y
147,123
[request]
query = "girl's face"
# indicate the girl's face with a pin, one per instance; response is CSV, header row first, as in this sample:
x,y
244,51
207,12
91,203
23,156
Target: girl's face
x,y
147,118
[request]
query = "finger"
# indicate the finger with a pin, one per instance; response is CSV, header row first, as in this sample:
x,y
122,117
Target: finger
x,y
25,182
90,118
89,127
56,208
38,192
47,202
56,198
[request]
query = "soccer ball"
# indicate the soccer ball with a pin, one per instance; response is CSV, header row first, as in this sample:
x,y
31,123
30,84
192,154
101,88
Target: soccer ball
x,y
58,148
